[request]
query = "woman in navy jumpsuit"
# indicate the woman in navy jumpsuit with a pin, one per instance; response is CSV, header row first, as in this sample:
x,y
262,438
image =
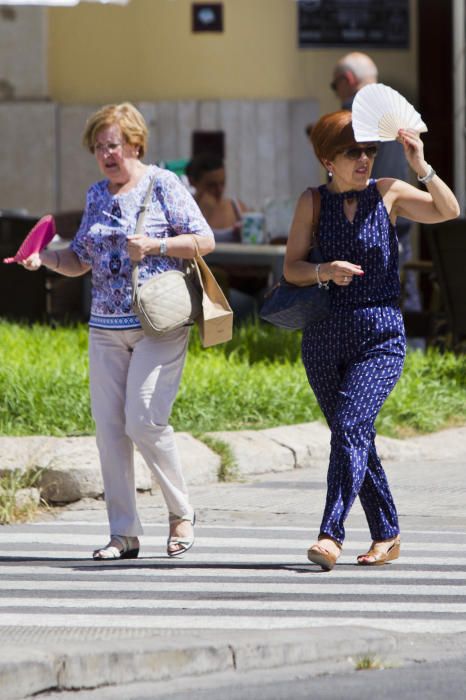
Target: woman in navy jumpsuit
x,y
354,357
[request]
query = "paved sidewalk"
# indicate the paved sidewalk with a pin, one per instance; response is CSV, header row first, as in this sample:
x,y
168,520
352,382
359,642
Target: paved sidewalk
x,y
430,495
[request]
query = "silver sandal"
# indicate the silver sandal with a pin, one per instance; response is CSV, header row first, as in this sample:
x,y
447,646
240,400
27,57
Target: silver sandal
x,y
184,543
129,548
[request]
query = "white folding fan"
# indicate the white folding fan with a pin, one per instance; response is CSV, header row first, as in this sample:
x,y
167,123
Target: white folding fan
x,y
379,111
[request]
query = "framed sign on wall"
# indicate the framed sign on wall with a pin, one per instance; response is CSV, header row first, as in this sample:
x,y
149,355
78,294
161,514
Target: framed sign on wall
x,y
353,23
207,17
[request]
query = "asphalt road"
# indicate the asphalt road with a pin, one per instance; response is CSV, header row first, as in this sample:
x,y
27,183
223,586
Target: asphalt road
x,y
248,571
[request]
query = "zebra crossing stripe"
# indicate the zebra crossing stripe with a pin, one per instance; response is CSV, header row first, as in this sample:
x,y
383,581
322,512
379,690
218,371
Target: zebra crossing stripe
x,y
235,578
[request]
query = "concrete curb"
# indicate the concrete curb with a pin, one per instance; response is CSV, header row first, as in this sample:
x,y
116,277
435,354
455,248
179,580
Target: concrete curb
x,y
25,671
71,465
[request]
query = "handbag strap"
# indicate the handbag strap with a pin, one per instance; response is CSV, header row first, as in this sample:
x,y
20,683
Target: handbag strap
x,y
139,229
315,215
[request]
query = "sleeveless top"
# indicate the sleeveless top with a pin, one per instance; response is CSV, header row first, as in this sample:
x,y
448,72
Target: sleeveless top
x,y
228,234
370,240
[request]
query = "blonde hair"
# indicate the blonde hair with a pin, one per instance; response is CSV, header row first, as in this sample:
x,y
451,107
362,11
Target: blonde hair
x,y
129,119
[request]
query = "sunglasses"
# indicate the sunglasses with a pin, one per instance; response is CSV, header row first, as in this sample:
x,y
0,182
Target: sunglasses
x,y
334,83
357,152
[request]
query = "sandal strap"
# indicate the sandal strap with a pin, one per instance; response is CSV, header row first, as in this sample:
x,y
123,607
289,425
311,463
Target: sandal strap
x,y
127,542
178,540
111,551
108,552
376,551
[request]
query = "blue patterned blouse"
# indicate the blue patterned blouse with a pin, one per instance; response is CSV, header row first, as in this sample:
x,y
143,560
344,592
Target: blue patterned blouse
x,y
101,240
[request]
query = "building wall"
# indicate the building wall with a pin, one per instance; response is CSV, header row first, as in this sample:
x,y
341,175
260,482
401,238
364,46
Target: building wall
x,y
23,53
146,51
268,154
251,81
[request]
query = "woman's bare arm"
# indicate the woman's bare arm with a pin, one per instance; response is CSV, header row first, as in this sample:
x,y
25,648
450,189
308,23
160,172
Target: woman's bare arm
x,y
401,199
297,269
64,261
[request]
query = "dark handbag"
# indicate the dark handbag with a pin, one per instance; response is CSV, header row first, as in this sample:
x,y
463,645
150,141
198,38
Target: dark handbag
x,y
291,306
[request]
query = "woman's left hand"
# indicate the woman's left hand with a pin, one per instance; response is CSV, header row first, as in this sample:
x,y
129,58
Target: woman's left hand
x,y
414,150
139,246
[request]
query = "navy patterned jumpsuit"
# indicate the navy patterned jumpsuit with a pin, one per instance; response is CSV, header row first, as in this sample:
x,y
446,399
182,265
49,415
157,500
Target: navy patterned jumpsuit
x,y
354,357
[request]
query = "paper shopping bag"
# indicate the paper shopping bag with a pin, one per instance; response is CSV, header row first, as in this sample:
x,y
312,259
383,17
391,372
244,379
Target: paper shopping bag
x,y
216,319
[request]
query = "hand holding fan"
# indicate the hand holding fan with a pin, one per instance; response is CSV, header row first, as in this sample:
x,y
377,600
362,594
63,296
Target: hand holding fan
x,y
36,240
379,112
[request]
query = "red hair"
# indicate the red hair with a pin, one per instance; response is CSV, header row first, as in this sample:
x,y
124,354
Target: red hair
x,y
333,134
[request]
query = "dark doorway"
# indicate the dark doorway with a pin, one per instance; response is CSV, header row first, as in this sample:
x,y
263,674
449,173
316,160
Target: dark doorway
x,y
208,142
435,84
435,80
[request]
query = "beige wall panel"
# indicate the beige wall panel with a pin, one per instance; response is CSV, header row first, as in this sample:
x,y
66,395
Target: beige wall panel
x,y
77,168
166,134
23,53
248,186
282,149
27,156
305,170
147,110
229,111
209,116
266,151
187,122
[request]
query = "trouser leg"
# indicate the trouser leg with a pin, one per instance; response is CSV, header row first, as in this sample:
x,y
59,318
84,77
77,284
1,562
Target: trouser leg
x,y
377,500
354,467
153,380
351,393
110,355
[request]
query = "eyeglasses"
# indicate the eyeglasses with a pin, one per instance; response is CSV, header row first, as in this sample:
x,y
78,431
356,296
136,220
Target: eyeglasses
x,y
334,83
106,147
357,152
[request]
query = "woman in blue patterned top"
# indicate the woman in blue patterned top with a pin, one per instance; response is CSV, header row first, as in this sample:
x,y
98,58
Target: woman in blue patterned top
x,y
134,378
354,357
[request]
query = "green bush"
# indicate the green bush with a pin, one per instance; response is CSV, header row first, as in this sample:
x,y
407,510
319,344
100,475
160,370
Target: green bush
x,y
255,381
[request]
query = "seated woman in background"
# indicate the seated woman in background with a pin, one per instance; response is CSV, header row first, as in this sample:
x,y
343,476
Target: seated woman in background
x,y
206,173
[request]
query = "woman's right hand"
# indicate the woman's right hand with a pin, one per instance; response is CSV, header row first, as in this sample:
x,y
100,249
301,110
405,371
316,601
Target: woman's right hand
x,y
341,272
32,263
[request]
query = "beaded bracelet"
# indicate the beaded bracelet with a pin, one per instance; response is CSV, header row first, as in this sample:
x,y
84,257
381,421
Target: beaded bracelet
x,y
319,283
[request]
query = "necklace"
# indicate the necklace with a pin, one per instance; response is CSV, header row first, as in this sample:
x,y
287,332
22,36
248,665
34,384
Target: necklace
x,y
350,194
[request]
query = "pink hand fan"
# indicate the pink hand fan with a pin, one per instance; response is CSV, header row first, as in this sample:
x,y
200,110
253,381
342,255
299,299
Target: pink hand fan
x,y
36,240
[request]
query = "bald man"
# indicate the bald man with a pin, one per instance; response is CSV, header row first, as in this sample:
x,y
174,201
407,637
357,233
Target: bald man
x,y
351,73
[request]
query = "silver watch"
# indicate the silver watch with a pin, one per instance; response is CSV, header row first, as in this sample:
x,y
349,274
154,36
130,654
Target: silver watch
x,y
427,178
163,248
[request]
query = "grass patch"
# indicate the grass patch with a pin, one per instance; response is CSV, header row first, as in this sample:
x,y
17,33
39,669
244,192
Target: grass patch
x,y
228,470
12,509
256,381
368,663
43,381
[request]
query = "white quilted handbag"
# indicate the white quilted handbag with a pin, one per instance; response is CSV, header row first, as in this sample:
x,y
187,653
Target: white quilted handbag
x,y
167,300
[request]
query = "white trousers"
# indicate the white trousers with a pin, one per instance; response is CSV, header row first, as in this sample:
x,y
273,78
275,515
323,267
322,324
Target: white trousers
x,y
133,381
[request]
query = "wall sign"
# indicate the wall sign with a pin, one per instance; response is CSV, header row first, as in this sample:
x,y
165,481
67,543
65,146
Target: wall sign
x,y
207,17
354,23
